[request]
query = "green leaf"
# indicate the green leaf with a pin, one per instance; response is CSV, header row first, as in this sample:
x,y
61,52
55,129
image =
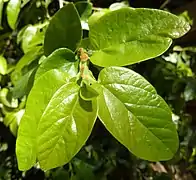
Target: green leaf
x,y
56,122
13,9
7,100
62,59
28,58
85,43
64,30
73,118
97,15
37,101
60,174
89,92
24,84
83,170
127,35
3,65
13,119
135,115
32,36
84,9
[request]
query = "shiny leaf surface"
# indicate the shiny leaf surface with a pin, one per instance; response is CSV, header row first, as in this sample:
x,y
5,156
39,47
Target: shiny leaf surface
x,y
56,123
127,36
64,127
62,59
38,99
135,115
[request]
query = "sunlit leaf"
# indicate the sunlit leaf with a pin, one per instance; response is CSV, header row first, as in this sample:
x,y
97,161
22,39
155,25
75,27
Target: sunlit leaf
x,y
135,115
127,35
13,9
3,65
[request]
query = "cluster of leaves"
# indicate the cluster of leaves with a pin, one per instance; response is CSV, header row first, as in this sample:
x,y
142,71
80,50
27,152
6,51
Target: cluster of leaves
x,y
106,154
66,100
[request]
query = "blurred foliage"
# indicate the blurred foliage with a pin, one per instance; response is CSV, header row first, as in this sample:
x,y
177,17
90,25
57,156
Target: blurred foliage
x,y
102,158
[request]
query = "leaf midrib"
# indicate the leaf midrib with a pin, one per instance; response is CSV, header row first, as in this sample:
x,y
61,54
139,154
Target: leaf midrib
x,y
71,115
140,121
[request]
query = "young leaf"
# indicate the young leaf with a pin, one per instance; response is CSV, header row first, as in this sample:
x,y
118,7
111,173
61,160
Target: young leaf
x,y
38,99
127,36
89,92
64,30
85,43
135,115
62,59
56,123
3,65
13,9
64,127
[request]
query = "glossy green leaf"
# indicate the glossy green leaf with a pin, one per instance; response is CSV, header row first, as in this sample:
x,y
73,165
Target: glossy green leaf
x,y
135,115
73,118
37,101
13,10
62,59
127,36
56,123
64,30
3,65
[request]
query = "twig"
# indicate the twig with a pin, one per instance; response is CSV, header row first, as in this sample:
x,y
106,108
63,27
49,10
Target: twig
x,y
164,4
